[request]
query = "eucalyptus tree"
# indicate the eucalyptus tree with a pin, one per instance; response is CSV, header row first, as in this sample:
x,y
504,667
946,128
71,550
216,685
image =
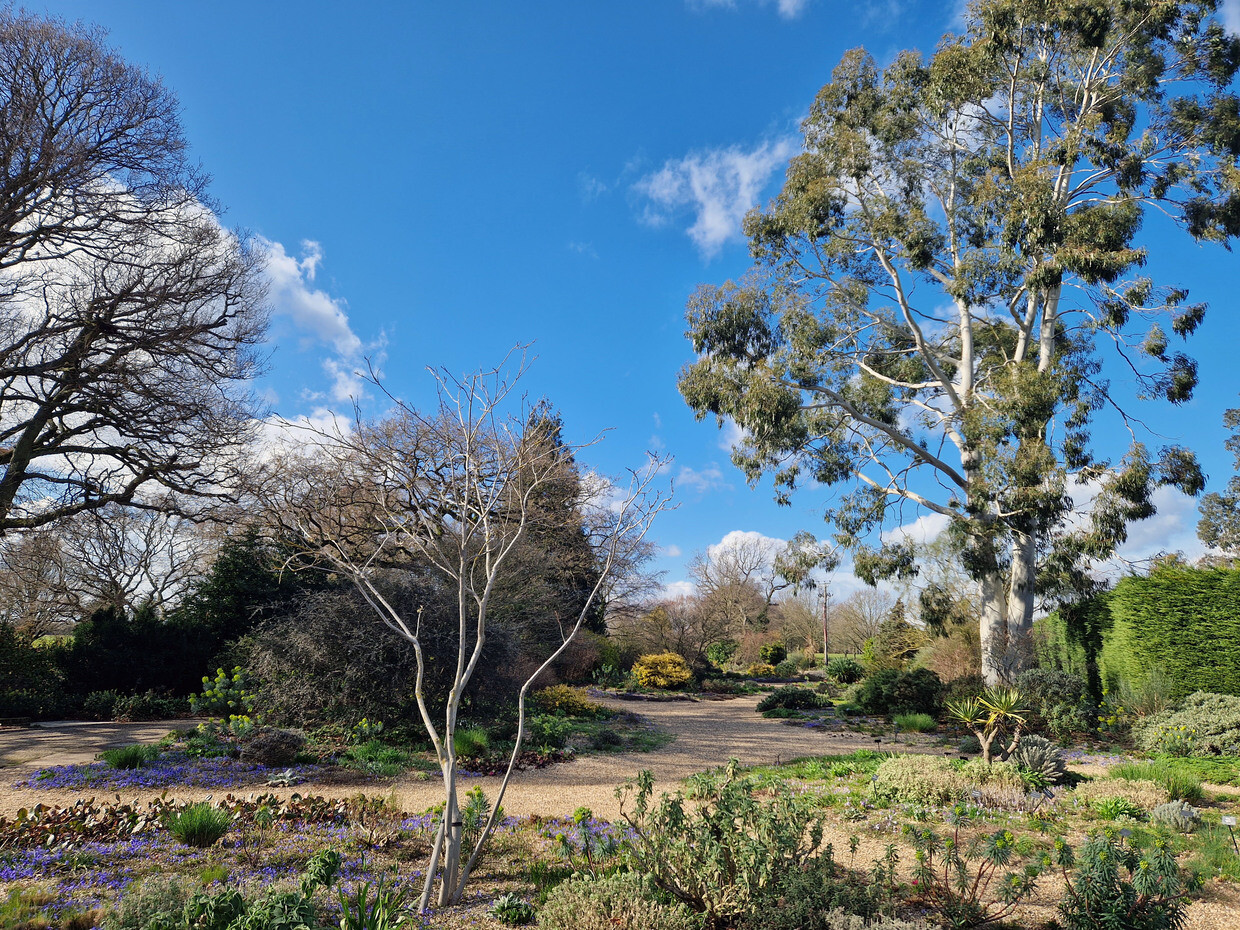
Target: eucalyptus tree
x,y
1220,510
951,258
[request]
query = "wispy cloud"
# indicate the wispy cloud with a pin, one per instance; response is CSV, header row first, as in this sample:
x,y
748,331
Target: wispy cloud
x,y
717,187
1230,12
787,9
709,478
583,248
672,552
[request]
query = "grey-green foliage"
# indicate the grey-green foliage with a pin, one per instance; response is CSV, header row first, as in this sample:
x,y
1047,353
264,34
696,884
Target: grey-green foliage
x,y
1006,179
1179,815
719,848
153,897
1202,724
841,920
625,901
1042,757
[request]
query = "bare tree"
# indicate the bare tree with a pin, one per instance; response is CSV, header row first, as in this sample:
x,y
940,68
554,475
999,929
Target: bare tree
x,y
34,596
859,617
129,318
455,490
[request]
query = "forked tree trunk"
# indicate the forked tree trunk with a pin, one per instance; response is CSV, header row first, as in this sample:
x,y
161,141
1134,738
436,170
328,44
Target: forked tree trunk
x,y
1007,615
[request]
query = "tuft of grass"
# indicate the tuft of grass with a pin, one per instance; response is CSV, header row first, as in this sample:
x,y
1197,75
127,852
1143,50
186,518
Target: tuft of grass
x,y
1217,770
213,873
133,756
375,757
1213,855
472,742
199,824
823,768
917,723
1180,783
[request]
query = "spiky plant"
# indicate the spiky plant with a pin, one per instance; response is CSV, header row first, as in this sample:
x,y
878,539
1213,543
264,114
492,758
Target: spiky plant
x,y
1178,815
1043,758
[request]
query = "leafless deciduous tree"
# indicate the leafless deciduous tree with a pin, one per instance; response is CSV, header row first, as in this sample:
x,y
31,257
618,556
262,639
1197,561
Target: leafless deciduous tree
x,y
129,317
456,489
859,617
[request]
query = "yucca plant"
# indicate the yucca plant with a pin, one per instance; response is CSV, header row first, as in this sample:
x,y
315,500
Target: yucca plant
x,y
997,713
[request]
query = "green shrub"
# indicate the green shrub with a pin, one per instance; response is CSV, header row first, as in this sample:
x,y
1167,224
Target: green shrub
x,y
1059,702
963,688
791,697
472,742
720,654
1202,724
1115,808
773,653
889,691
566,701
153,897
918,779
149,705
376,757
1115,885
720,848
980,772
786,669
845,671
100,705
133,756
625,901
815,898
1182,785
915,723
665,671
549,731
199,824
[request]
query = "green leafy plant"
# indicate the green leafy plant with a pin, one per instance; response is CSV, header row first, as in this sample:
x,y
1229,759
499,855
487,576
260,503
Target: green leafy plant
x,y
719,847
472,742
374,905
773,652
547,731
974,884
130,757
1116,885
511,910
365,730
1115,808
225,694
845,671
624,901
200,824
1179,781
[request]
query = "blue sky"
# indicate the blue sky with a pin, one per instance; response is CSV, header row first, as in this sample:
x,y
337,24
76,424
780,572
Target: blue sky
x,y
438,182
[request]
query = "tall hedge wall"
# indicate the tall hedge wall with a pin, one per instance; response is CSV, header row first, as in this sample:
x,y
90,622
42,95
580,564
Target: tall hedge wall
x,y
1184,622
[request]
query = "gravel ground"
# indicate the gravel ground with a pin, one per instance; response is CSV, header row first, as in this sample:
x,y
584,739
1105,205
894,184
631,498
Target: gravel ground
x,y
706,734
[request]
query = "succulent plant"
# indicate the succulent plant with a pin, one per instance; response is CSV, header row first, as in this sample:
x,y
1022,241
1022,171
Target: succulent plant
x,y
1179,815
1042,757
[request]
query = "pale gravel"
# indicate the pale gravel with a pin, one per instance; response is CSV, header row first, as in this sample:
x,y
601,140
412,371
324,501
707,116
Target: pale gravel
x,y
706,733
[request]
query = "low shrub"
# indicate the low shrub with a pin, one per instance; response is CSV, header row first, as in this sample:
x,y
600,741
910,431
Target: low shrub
x,y
512,910
720,653
158,896
874,694
149,705
549,731
816,897
133,756
919,780
773,652
761,670
720,848
272,746
1202,724
793,698
566,701
1178,815
665,671
786,669
845,671
100,705
915,723
200,824
1180,784
1144,794
625,901
978,772
1115,808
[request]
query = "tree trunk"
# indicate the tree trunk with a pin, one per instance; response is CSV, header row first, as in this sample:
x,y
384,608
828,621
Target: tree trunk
x,y
1007,615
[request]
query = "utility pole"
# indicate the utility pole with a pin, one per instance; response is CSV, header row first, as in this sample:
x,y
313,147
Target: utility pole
x,y
826,628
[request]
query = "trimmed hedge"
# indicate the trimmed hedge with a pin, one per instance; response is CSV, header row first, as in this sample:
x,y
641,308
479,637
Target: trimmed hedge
x,y
1182,621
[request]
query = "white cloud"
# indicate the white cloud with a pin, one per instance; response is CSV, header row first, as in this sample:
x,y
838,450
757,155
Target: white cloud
x,y
678,589
717,186
321,426
590,187
319,318
658,421
747,540
583,248
672,552
709,478
923,530
731,435
1230,13
787,9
